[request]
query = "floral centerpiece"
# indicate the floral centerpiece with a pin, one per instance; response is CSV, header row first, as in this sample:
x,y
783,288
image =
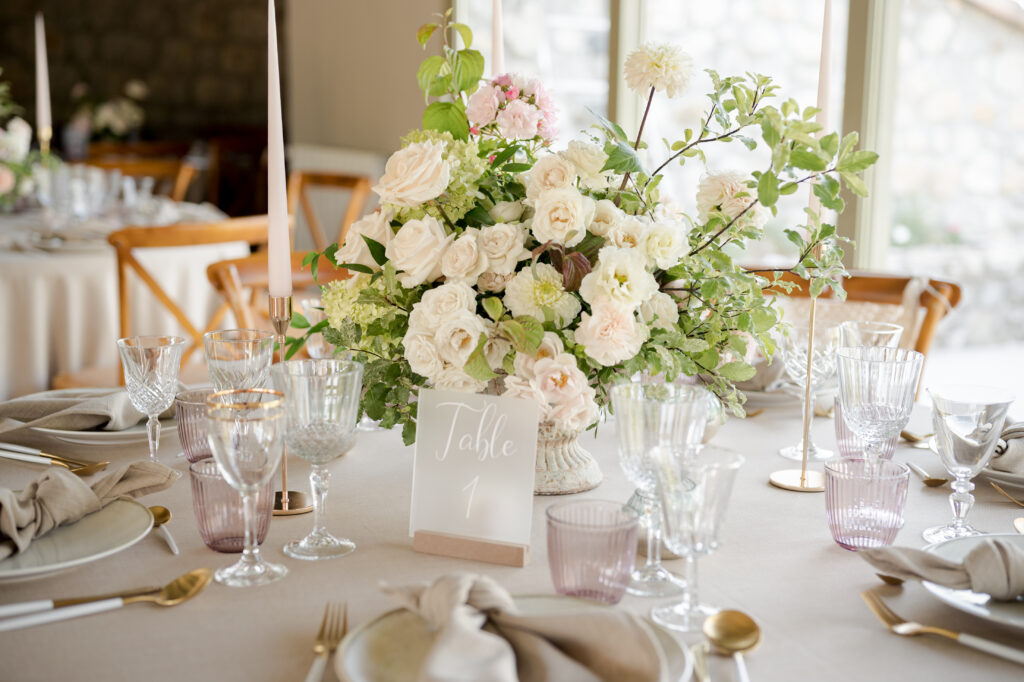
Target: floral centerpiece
x,y
497,264
15,157
118,118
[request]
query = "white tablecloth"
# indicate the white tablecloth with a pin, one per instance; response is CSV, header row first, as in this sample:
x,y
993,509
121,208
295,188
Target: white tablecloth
x,y
777,562
59,309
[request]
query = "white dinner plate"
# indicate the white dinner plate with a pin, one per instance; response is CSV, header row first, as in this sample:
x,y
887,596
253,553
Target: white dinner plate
x,y
392,647
112,529
1012,483
129,436
981,605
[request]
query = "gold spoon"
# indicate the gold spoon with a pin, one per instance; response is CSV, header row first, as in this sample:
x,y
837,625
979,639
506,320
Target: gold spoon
x,y
1018,524
733,632
1007,495
913,437
162,515
926,478
890,579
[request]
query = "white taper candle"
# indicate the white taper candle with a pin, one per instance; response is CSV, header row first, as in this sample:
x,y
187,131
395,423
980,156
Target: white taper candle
x,y
279,243
44,122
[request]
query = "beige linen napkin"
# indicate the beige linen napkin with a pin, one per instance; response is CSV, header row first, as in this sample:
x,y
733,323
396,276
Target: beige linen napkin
x,y
994,567
1009,455
72,410
58,497
482,637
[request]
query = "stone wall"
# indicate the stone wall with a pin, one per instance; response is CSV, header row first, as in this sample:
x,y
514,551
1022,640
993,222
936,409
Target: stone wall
x,y
203,60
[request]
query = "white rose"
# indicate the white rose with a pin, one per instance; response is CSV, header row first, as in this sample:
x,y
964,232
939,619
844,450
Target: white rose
x,y
577,413
726,192
534,289
562,216
452,378
550,346
629,233
16,141
610,334
442,302
588,159
493,282
414,175
664,244
507,211
620,276
755,216
456,337
663,307
607,216
421,352
550,172
376,226
495,351
503,244
517,387
464,261
559,378
416,251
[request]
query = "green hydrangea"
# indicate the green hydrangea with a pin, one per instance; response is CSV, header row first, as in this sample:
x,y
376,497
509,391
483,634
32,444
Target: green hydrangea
x,y
341,304
466,170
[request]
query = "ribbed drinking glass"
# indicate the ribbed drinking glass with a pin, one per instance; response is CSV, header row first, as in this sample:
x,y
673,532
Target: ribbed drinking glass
x,y
190,412
218,509
864,501
151,365
862,333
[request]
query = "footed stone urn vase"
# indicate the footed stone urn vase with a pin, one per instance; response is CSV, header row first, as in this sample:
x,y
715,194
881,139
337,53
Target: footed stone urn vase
x,y
563,466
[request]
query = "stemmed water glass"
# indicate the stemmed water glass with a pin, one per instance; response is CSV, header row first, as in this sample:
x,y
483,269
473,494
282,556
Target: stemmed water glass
x,y
967,422
151,365
322,399
823,366
694,490
316,345
246,428
651,417
238,358
854,333
877,387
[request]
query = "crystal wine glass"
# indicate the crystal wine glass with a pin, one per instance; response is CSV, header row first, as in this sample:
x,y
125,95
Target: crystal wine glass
x,y
823,366
246,428
862,333
877,387
650,416
967,422
694,491
238,358
151,365
322,399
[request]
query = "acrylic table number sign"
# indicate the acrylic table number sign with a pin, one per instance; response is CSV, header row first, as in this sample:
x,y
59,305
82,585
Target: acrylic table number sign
x,y
472,482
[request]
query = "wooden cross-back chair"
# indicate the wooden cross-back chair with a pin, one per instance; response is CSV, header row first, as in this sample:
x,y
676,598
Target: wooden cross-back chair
x,y
937,298
298,197
174,174
252,230
243,283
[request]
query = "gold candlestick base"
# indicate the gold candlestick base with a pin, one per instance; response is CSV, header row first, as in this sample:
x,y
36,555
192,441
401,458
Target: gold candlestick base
x,y
286,502
801,481
45,135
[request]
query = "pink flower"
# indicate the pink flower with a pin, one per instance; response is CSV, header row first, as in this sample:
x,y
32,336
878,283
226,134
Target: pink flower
x,y
610,334
492,157
483,105
504,80
518,120
474,130
7,180
512,93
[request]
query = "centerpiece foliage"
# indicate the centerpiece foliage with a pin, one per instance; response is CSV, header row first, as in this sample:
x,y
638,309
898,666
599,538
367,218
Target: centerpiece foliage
x,y
494,263
16,159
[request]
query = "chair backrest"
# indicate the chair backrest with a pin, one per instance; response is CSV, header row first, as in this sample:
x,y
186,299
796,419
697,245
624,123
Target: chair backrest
x,y
243,283
299,183
252,230
174,174
935,298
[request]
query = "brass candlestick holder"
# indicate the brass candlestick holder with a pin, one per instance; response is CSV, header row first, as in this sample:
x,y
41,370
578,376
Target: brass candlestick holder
x,y
45,135
286,502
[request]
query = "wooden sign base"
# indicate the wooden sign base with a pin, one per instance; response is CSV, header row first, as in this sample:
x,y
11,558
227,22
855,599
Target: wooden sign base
x,y
444,544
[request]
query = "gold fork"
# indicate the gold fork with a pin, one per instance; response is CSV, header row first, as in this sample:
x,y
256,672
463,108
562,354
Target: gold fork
x,y
332,630
908,628
1007,495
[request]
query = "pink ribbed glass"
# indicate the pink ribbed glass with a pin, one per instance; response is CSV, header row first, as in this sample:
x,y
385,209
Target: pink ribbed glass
x,y
218,508
849,444
864,501
190,411
591,548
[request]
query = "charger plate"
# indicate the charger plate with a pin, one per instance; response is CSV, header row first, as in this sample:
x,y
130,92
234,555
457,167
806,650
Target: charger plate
x,y
977,604
112,529
392,647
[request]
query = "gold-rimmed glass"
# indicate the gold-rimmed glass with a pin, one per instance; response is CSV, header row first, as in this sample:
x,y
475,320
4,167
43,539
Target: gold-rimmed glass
x,y
246,430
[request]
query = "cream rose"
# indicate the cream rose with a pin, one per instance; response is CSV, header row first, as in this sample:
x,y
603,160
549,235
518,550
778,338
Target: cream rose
x,y
559,378
577,413
610,334
442,302
415,174
517,387
464,260
376,226
502,243
664,244
550,346
456,337
588,159
416,251
495,350
620,276
421,352
493,282
452,378
562,216
660,310
550,172
629,233
507,211
607,217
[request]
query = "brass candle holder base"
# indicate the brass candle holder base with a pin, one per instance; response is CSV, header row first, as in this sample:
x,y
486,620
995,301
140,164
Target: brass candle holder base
x,y
298,503
798,480
45,135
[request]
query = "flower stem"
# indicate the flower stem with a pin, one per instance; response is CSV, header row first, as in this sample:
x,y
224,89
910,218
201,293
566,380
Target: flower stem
x,y
639,134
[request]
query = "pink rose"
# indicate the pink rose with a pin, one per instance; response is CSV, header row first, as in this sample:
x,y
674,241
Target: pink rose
x,y
512,93
483,105
518,120
610,334
7,180
504,80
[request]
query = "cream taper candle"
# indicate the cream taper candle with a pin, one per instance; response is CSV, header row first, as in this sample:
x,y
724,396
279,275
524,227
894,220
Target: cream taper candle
x,y
279,255
823,84
44,123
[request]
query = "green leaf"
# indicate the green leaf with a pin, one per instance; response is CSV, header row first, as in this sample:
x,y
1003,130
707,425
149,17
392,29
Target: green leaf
x,y
357,267
623,159
524,332
493,307
848,143
446,117
855,184
428,71
613,127
806,160
409,432
464,31
479,215
424,33
737,371
817,286
830,144
770,133
691,345
468,69
476,365
857,161
768,189
376,250
764,319
516,167
299,321
309,258
788,188
505,154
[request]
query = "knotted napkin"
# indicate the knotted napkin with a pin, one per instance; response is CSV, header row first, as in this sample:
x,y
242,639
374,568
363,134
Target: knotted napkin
x,y
481,636
1009,454
57,497
72,410
995,567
